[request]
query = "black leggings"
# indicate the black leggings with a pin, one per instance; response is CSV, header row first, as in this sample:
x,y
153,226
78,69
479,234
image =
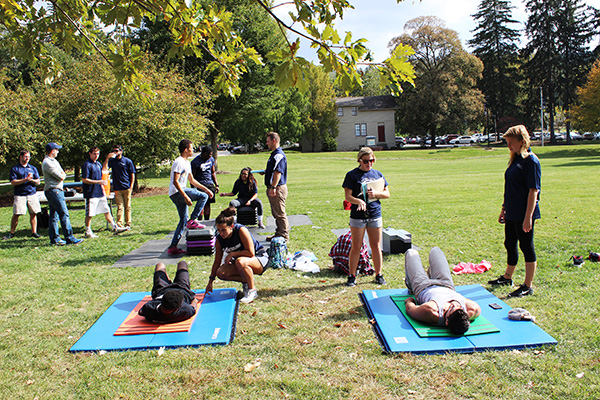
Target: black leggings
x,y
513,233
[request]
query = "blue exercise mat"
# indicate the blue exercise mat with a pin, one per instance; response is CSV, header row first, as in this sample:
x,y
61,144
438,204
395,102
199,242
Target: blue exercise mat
x,y
214,325
396,335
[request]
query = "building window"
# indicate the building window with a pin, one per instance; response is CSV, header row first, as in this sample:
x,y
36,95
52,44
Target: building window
x,y
354,110
360,129
340,111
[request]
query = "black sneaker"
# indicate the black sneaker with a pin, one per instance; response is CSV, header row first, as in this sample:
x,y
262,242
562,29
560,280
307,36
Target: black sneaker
x,y
351,281
35,235
523,290
501,281
9,236
379,280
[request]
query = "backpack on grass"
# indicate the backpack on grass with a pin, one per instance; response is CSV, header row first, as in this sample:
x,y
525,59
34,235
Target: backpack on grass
x,y
278,253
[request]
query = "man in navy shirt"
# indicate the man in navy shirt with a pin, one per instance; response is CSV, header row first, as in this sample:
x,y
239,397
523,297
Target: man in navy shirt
x,y
123,174
171,301
276,183
24,178
93,193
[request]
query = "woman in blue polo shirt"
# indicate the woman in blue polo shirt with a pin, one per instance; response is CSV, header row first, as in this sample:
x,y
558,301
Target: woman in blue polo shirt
x,y
238,256
522,184
365,213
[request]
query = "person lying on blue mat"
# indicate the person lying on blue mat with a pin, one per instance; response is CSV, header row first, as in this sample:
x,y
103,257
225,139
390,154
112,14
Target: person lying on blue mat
x,y
171,301
437,303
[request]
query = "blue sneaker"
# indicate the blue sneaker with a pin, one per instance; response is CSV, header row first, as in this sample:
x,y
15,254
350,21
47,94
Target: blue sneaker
x,y
76,241
59,242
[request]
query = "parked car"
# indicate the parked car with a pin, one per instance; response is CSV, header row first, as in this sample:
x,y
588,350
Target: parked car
x,y
463,140
575,136
448,138
239,149
222,146
400,141
589,135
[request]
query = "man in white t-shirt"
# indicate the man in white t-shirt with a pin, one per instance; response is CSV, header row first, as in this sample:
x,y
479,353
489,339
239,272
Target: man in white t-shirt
x,y
182,196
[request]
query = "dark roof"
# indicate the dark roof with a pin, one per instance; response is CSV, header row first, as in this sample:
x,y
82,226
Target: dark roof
x,y
367,103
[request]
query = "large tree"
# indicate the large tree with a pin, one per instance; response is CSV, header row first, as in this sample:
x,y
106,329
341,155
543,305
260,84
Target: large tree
x,y
321,120
586,113
81,109
557,55
495,44
445,98
575,29
197,28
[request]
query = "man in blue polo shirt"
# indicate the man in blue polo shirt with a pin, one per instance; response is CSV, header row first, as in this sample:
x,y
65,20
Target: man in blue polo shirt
x,y
24,177
123,174
276,183
93,193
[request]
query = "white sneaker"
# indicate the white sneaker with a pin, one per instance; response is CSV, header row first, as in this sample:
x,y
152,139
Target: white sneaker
x,y
90,235
249,298
118,229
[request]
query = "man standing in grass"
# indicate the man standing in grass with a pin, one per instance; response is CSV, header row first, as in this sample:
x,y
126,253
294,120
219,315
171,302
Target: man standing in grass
x,y
276,183
93,193
182,196
123,174
54,177
24,177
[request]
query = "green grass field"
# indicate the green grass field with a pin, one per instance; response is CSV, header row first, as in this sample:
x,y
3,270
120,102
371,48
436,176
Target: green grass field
x,y
50,296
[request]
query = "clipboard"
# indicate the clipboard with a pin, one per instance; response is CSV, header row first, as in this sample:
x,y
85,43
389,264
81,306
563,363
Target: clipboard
x,y
377,185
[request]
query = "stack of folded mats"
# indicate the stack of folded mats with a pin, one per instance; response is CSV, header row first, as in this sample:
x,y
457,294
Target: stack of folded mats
x,y
201,242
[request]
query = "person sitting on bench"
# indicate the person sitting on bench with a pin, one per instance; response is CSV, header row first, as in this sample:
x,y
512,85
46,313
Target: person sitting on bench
x,y
247,190
171,301
437,303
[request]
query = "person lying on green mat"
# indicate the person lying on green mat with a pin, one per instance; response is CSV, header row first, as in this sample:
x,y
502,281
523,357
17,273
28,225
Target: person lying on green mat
x,y
171,301
437,303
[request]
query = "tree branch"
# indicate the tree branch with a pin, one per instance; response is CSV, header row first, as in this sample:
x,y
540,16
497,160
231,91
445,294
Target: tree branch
x,y
82,32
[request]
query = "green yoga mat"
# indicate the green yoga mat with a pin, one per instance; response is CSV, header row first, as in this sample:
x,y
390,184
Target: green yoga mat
x,y
479,326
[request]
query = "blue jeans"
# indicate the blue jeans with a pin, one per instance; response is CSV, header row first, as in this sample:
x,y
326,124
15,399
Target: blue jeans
x,y
58,210
182,209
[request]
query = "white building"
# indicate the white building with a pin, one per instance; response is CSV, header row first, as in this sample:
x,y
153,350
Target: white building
x,y
366,117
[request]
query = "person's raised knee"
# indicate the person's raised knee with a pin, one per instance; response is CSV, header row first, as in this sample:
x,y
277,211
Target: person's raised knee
x,y
182,265
160,267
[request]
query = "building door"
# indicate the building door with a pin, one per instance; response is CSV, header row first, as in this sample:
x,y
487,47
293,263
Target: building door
x,y
381,132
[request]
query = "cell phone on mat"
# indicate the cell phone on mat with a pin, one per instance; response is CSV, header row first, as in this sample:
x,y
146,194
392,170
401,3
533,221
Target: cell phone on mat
x,y
496,306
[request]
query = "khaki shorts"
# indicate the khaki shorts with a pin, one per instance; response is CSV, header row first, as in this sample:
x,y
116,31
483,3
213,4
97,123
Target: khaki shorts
x,y
22,203
95,206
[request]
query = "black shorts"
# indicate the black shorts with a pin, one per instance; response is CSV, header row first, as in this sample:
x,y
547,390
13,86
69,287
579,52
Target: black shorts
x,y
162,284
213,189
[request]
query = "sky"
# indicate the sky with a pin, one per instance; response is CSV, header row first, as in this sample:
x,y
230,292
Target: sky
x,y
379,21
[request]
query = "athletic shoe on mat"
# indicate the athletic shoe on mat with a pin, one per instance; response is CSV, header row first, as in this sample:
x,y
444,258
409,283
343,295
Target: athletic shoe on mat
x,y
351,281
523,290
250,296
379,280
501,281
193,224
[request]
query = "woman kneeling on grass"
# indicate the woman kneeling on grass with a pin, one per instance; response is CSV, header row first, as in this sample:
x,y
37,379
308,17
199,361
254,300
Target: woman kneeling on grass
x,y
244,255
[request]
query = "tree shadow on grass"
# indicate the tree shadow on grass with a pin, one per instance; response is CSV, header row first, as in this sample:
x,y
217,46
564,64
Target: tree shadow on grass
x,y
572,152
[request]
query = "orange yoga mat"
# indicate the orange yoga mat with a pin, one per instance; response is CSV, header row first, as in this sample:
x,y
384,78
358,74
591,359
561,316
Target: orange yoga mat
x,y
135,324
